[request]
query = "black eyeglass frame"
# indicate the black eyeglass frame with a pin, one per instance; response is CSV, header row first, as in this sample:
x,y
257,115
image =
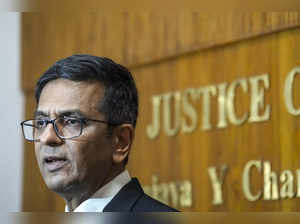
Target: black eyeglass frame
x,y
82,121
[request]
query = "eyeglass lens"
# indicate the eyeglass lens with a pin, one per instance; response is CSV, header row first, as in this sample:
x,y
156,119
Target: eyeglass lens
x,y
64,128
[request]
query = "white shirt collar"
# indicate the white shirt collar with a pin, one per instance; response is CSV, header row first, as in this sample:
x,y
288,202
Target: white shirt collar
x,y
104,195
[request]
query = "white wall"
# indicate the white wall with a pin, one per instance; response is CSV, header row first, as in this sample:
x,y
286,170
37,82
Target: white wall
x,y
11,113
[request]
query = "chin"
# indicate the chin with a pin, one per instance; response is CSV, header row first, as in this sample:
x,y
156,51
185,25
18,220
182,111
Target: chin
x,y
62,185
57,184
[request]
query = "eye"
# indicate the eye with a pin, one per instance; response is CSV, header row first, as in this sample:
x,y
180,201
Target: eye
x,y
40,123
71,121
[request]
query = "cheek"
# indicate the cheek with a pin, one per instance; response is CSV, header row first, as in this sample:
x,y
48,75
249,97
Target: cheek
x,y
91,158
79,159
89,154
37,153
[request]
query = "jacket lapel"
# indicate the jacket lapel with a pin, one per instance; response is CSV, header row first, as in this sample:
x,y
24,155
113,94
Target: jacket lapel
x,y
126,198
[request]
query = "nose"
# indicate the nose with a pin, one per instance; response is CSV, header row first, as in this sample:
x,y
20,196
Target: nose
x,y
49,137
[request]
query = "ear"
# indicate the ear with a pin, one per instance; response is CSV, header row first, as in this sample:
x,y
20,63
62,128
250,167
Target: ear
x,y
123,136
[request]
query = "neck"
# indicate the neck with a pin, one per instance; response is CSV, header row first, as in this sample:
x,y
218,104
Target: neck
x,y
74,199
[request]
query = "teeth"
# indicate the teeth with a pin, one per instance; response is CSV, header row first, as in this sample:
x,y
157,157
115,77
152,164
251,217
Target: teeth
x,y
54,160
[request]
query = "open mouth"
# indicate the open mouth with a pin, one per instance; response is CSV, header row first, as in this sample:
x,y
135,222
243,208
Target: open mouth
x,y
55,163
54,159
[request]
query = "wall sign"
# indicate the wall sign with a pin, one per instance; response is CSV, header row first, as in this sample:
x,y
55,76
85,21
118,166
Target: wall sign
x,y
173,113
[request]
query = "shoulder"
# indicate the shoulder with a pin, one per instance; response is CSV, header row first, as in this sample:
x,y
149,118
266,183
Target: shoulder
x,y
148,204
131,198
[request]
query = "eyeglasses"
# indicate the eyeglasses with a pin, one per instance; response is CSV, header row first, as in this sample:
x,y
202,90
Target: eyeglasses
x,y
64,127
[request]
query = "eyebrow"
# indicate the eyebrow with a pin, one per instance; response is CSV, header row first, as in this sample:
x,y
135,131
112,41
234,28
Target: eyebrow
x,y
75,113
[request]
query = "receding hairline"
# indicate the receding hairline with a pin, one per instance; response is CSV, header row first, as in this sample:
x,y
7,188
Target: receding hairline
x,y
79,83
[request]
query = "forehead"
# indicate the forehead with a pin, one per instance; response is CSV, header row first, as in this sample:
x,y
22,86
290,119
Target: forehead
x,y
63,94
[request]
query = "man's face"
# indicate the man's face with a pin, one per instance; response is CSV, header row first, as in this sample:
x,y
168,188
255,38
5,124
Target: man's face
x,y
78,164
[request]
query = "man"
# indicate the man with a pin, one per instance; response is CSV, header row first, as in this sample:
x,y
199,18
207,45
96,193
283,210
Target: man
x,y
83,129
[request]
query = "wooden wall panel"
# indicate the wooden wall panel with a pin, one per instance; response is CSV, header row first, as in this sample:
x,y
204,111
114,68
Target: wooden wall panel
x,y
136,39
190,155
172,53
200,150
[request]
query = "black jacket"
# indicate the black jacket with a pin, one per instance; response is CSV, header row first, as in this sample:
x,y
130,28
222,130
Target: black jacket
x,y
131,198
